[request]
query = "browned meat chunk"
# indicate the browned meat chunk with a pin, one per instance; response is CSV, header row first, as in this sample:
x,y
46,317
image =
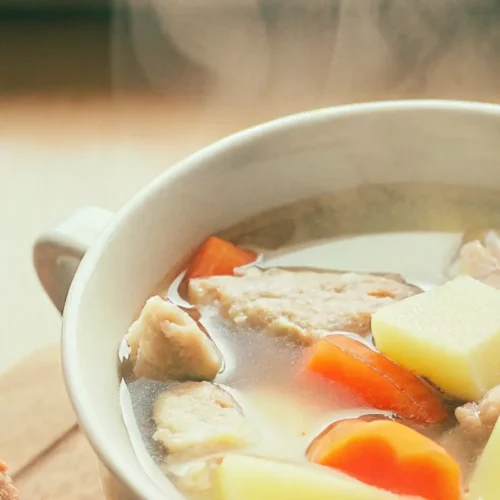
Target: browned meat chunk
x,y
478,419
303,305
167,344
7,490
196,419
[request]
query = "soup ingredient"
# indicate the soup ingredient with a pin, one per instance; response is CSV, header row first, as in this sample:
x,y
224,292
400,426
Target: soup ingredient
x,y
195,477
390,456
478,419
382,383
481,259
250,478
302,305
485,482
167,344
218,257
196,419
7,490
450,334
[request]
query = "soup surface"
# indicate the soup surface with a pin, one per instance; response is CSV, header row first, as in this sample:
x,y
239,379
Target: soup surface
x,y
284,348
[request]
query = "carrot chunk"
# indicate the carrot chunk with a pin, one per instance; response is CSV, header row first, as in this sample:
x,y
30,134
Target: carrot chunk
x,y
390,456
382,383
218,257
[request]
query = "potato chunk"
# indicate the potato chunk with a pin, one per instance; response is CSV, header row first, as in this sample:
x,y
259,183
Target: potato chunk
x,y
450,334
249,478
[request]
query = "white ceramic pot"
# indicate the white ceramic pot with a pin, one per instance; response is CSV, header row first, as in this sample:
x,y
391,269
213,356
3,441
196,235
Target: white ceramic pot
x,y
252,171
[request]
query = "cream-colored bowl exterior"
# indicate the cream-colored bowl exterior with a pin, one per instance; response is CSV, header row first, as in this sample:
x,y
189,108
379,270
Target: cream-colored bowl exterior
x,y
254,170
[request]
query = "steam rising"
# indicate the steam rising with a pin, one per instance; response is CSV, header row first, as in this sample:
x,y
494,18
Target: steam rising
x,y
287,52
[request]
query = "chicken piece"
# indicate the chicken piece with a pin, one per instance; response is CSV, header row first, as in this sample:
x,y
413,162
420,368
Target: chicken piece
x,y
7,490
167,344
303,304
196,419
478,419
481,260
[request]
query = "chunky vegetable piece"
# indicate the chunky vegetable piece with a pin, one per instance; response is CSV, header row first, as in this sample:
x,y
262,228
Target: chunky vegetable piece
x,y
450,334
391,456
218,257
249,478
485,482
382,383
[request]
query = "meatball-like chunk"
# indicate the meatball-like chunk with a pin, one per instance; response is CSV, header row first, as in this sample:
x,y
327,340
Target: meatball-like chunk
x,y
300,304
167,344
196,419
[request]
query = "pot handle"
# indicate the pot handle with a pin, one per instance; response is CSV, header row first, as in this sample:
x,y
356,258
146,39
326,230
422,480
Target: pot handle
x,y
58,252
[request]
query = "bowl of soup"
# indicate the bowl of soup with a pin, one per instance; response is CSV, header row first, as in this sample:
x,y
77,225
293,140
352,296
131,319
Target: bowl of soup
x,y
306,309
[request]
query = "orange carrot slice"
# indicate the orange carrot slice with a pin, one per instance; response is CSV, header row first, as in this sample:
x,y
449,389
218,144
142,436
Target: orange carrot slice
x,y
218,257
390,456
383,384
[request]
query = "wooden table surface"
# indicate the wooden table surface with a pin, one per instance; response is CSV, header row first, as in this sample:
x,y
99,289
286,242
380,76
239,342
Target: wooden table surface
x,y
48,457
